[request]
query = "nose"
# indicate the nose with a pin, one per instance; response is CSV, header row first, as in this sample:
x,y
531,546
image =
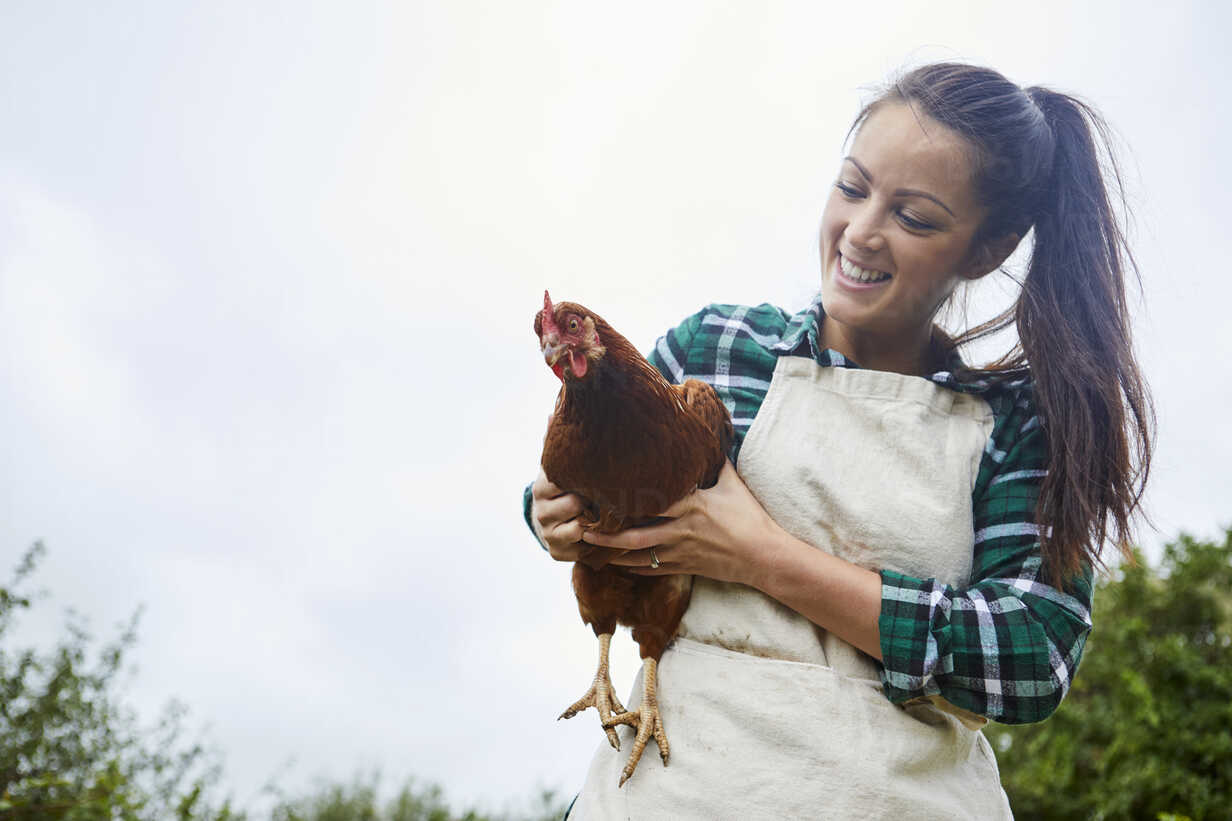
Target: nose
x,y
863,229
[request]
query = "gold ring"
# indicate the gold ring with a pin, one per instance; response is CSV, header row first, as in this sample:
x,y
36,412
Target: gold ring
x,y
654,560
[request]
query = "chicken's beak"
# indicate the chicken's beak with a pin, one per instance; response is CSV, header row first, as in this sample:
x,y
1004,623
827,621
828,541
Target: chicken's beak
x,y
551,352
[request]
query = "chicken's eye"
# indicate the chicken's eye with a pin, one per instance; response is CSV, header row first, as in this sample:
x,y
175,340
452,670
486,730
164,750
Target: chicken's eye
x,y
573,326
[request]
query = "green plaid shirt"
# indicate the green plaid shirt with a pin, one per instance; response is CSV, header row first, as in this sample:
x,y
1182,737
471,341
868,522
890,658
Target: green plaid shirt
x,y
1006,645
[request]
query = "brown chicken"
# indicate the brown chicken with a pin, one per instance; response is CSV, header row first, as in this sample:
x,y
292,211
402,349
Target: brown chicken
x,y
631,444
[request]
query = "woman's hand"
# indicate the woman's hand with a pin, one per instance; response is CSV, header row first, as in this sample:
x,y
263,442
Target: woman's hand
x,y
554,515
722,533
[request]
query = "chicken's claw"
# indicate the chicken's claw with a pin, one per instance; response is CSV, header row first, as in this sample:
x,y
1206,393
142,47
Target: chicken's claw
x,y
601,695
647,721
602,698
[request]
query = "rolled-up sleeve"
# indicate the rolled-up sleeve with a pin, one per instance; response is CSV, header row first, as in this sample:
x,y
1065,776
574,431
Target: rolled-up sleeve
x,y
1007,645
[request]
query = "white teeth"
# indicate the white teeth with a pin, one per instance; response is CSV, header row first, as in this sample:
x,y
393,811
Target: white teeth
x,y
860,274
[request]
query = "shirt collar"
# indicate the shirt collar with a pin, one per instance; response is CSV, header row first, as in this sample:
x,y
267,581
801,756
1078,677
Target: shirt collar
x,y
800,338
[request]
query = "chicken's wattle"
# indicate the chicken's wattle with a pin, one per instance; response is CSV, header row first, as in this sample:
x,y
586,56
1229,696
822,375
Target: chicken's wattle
x,y
579,363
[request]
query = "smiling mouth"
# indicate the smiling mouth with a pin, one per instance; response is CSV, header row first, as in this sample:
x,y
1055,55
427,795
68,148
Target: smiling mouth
x,y
864,276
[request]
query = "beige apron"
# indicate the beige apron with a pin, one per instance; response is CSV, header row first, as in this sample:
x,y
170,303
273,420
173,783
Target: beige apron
x,y
770,716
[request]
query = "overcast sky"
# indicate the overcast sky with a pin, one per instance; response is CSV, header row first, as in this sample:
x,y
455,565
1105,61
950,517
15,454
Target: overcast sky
x,y
267,277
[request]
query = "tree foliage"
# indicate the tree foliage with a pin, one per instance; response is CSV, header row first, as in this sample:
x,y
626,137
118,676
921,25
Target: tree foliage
x,y
71,750
1146,730
359,801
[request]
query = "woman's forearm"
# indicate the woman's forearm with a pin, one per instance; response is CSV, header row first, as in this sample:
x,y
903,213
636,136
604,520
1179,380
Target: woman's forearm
x,y
833,593
724,533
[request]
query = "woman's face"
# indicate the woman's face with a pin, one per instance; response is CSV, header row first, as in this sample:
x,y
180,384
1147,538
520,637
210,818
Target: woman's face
x,y
903,211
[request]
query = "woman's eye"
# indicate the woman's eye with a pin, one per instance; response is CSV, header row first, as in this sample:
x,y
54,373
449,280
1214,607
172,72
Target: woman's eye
x,y
854,193
914,223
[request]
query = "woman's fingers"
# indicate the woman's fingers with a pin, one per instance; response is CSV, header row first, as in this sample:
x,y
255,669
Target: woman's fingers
x,y
662,570
542,487
555,516
566,552
567,532
634,538
681,506
551,512
563,552
639,558
565,544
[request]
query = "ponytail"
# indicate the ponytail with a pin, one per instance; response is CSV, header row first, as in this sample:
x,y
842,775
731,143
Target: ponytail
x,y
1038,168
1073,324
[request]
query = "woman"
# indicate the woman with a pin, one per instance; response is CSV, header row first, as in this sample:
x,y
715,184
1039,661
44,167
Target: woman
x,y
905,546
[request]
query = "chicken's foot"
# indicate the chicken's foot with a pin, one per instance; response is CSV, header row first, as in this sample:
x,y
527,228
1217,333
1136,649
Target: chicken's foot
x,y
646,720
601,695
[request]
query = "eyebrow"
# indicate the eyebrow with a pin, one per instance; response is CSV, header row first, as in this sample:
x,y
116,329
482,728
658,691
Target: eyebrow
x,y
902,192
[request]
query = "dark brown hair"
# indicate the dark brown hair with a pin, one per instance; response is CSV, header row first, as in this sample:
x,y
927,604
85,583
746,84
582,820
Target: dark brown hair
x,y
1037,168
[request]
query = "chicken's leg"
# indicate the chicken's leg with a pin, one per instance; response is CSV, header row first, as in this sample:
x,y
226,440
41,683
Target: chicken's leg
x,y
646,721
601,695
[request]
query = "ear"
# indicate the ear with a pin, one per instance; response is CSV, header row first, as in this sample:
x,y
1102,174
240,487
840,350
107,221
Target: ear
x,y
990,255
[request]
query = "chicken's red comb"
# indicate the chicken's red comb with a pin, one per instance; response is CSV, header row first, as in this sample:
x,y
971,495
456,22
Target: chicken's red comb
x,y
549,315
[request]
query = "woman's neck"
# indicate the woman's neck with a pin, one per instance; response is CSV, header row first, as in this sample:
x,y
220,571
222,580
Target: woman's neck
x,y
913,353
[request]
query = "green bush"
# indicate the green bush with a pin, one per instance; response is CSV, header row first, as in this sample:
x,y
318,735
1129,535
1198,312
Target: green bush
x,y
71,750
1146,730
358,801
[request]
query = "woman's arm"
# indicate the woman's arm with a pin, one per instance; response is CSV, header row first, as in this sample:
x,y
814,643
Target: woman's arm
x,y
724,533
841,597
1008,644
1005,646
